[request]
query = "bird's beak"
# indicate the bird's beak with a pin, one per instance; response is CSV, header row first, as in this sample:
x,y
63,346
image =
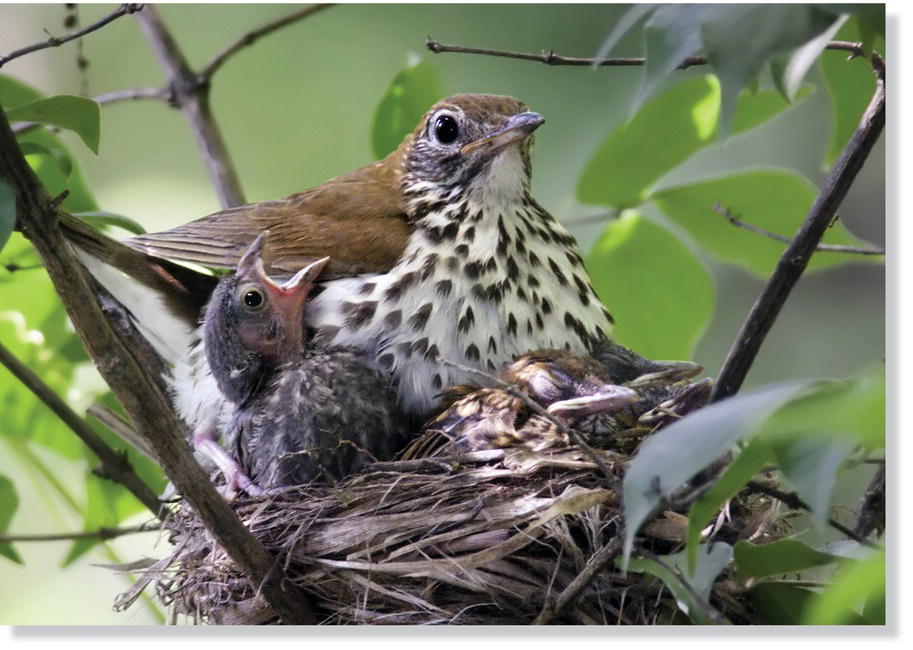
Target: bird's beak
x,y
516,128
607,398
252,261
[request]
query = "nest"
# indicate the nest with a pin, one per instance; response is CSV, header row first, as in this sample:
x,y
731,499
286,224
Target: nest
x,y
491,537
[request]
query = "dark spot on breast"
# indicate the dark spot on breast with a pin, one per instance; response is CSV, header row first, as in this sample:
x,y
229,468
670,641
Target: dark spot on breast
x,y
491,366
512,269
469,234
584,298
492,345
428,265
546,306
420,346
398,288
521,294
452,263
393,319
404,349
359,314
491,265
472,352
367,288
420,317
608,316
529,327
443,288
462,251
539,322
574,258
436,382
386,360
450,231
582,286
432,353
562,280
472,270
466,320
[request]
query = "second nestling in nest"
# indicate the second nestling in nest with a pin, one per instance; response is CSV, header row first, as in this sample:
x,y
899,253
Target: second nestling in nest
x,y
318,413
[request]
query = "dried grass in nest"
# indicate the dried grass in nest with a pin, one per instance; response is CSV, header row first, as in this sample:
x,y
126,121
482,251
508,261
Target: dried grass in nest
x,y
484,538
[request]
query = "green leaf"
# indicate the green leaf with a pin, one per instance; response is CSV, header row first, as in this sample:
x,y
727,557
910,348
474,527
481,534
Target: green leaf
x,y
855,585
622,27
101,219
811,464
61,157
676,453
851,84
712,559
741,39
410,95
9,501
779,603
778,558
7,212
775,200
77,114
55,176
746,464
636,263
15,93
664,133
800,61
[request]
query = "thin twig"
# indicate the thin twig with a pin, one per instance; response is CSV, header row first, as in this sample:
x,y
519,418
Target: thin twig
x,y
581,581
550,58
735,220
102,534
709,611
122,429
123,10
191,95
573,434
132,94
795,502
114,464
141,395
209,70
795,258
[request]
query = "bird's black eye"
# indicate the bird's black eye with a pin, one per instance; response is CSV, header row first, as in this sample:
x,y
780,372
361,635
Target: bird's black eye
x,y
252,299
446,129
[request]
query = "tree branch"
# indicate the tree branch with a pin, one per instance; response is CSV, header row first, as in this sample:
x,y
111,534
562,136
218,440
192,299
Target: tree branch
x,y
122,429
140,394
594,565
114,464
132,94
101,533
191,94
793,261
735,220
251,37
123,10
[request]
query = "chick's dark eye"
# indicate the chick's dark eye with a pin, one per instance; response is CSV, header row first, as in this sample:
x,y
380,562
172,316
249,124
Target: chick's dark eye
x,y
253,299
446,129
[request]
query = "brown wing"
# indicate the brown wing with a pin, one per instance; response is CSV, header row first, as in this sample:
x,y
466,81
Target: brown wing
x,y
357,220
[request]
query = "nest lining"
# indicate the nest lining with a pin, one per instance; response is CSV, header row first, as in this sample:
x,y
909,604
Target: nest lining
x,y
489,537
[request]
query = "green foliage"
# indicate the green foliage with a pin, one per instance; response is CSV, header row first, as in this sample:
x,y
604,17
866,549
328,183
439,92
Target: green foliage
x,y
77,114
411,93
9,501
777,558
858,587
663,307
102,219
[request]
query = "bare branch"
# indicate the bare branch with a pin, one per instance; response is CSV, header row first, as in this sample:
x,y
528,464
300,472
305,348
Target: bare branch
x,y
140,394
735,220
133,94
251,37
102,534
114,464
795,258
123,10
191,95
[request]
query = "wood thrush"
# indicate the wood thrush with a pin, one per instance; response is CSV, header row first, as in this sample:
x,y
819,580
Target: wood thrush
x,y
300,411
436,251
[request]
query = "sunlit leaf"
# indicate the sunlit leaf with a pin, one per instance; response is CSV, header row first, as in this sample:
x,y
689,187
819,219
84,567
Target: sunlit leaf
x,y
775,200
77,114
7,212
676,453
778,558
9,501
668,130
411,93
744,466
741,39
711,560
854,585
659,293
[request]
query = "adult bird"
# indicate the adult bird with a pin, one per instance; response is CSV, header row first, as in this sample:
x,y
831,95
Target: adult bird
x,y
300,411
437,251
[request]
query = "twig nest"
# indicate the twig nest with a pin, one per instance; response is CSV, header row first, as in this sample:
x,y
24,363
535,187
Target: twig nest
x,y
491,537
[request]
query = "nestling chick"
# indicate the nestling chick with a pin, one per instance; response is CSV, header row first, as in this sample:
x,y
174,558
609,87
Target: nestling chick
x,y
301,411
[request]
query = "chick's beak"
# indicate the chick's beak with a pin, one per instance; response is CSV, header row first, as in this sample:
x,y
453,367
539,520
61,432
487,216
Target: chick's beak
x,y
517,127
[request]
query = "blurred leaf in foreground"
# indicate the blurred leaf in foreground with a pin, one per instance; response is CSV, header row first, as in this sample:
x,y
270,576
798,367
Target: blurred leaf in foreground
x,y
411,93
77,114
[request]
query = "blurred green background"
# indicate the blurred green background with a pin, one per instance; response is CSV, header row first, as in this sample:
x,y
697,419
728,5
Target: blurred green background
x,y
296,109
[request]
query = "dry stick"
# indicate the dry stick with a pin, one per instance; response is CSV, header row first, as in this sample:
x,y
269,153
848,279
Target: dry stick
x,y
114,464
123,10
795,502
252,36
581,581
735,220
191,95
795,258
133,94
140,394
102,534
122,429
